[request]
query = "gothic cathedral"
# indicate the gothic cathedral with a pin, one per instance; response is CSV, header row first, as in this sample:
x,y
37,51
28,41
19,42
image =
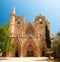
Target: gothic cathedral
x,y
28,38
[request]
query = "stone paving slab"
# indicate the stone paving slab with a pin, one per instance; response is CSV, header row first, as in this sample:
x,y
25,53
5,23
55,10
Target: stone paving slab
x,y
24,59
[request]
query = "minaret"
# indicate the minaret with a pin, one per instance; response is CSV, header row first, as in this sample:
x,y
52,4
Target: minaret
x,y
13,11
12,21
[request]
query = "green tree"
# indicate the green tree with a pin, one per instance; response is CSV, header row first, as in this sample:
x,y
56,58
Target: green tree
x,y
5,39
47,36
56,45
1,38
58,35
56,48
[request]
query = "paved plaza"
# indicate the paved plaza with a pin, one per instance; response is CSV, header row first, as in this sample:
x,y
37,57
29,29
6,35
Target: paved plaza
x,y
24,59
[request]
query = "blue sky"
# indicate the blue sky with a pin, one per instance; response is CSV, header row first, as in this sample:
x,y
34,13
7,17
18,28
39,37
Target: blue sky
x,y
32,8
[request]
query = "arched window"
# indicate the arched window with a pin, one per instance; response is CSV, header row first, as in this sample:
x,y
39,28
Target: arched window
x,y
19,20
30,31
40,20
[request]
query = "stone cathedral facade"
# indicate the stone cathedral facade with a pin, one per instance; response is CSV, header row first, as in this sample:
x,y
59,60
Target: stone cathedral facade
x,y
28,38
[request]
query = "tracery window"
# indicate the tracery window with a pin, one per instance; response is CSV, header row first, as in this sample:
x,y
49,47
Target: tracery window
x,y
30,31
18,20
40,20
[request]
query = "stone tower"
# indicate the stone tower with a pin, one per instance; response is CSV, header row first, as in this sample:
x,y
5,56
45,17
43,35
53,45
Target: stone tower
x,y
28,38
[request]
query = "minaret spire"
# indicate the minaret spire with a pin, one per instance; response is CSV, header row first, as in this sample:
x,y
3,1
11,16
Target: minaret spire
x,y
14,11
12,22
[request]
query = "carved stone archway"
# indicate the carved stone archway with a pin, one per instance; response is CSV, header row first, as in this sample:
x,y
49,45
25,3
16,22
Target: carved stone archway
x,y
17,51
43,48
30,44
30,51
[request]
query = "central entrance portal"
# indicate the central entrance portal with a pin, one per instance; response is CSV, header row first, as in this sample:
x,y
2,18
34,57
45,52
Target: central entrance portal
x,y
30,51
30,54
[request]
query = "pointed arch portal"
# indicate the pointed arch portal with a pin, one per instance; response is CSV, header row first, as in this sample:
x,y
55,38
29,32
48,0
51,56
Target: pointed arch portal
x,y
29,48
30,51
